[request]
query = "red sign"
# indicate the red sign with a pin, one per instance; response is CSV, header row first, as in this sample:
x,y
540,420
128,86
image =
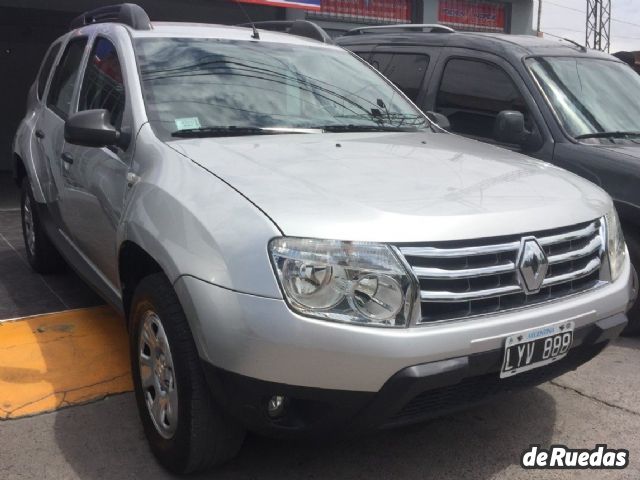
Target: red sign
x,y
385,10
466,14
303,4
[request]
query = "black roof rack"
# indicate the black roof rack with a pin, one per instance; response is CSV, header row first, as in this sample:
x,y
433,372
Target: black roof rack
x,y
126,13
302,28
403,28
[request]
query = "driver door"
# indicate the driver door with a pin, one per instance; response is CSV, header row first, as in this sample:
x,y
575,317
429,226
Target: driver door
x,y
95,189
471,88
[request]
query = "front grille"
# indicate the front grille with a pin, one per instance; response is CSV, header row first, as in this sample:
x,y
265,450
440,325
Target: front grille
x,y
467,278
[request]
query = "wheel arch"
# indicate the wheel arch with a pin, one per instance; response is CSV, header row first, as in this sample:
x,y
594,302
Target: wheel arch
x,y
629,217
134,264
24,165
19,169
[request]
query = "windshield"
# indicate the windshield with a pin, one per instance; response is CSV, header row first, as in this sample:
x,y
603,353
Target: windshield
x,y
212,87
591,96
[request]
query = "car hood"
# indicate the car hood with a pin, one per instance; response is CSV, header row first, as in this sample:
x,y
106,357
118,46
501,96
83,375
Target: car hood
x,y
629,150
396,187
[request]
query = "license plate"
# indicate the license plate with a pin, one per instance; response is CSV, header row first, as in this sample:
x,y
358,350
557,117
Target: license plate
x,y
535,348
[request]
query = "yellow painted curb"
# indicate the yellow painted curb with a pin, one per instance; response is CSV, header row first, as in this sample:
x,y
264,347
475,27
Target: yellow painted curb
x,y
61,359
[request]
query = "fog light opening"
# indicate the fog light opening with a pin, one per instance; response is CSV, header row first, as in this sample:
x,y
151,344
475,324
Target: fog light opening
x,y
275,406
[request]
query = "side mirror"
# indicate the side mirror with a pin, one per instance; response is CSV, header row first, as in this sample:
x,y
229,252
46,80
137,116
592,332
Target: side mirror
x,y
439,119
509,127
91,128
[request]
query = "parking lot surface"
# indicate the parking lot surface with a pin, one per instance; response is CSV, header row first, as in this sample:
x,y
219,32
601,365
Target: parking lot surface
x,y
103,439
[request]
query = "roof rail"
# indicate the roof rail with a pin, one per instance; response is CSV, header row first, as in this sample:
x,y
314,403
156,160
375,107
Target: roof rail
x,y
126,13
302,28
403,28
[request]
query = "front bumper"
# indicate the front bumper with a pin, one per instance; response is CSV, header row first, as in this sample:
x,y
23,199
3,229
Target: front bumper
x,y
262,338
411,395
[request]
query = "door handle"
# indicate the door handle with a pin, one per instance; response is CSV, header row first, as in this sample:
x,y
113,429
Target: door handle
x,y
39,134
132,179
67,158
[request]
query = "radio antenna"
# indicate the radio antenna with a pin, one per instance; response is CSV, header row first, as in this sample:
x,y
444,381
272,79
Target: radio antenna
x,y
255,35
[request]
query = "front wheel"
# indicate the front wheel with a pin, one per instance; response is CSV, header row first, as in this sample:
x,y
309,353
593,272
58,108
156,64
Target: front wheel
x,y
186,429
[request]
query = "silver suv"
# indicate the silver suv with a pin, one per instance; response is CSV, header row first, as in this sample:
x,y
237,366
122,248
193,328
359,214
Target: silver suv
x,y
295,247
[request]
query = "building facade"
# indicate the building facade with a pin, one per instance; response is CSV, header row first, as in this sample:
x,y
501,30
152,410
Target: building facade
x,y
27,28
337,16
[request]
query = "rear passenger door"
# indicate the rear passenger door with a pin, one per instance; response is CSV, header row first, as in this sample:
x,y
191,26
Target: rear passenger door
x,y
406,66
41,166
472,88
50,124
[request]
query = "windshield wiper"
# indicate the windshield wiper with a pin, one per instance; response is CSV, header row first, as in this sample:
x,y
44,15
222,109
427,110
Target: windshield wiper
x,y
233,131
365,128
608,135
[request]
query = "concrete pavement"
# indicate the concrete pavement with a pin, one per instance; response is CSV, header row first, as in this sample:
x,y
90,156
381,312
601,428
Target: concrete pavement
x,y
595,404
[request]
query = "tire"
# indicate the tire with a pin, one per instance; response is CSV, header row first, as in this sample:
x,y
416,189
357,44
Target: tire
x,y
199,436
633,328
41,253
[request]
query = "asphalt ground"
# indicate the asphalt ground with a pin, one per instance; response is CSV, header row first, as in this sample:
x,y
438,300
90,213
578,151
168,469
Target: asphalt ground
x,y
63,368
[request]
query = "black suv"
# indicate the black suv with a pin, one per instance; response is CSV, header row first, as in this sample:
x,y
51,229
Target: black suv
x,y
556,101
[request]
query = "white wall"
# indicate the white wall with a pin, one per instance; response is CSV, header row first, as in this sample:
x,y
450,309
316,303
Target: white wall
x,y
522,17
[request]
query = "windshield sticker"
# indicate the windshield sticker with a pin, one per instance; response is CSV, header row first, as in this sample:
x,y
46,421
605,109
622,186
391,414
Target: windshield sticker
x,y
187,123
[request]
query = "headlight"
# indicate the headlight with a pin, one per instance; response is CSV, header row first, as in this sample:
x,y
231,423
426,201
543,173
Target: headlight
x,y
616,247
353,282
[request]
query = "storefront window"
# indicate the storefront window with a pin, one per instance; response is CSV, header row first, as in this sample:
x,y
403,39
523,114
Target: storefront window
x,y
376,11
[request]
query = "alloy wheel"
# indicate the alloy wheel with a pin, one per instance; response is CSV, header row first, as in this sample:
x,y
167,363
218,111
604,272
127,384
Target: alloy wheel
x,y
157,375
29,229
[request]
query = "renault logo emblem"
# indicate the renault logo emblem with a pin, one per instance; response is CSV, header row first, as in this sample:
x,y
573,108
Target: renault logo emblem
x,y
532,265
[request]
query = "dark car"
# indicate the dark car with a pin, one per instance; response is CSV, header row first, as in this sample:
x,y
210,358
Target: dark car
x,y
556,101
630,58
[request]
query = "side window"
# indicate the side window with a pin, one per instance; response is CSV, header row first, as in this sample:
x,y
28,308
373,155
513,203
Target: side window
x,y
472,93
364,55
406,70
102,86
64,79
46,68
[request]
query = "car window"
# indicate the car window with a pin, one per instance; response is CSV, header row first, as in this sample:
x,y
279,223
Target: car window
x,y
64,79
590,95
193,84
406,70
46,68
472,93
363,54
102,86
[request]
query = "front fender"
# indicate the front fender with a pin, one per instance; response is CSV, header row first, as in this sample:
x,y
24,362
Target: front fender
x,y
193,224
